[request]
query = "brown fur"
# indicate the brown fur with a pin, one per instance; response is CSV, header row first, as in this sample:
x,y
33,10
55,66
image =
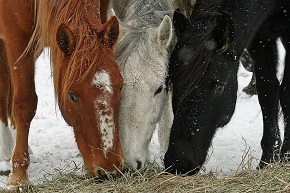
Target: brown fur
x,y
36,25
48,20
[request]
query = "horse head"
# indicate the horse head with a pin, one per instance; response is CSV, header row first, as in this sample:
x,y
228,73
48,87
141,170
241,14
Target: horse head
x,y
203,74
88,84
143,58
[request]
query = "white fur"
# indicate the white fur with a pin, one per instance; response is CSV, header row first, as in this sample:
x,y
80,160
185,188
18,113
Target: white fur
x,y
165,123
103,110
6,143
102,80
164,32
144,69
107,126
6,147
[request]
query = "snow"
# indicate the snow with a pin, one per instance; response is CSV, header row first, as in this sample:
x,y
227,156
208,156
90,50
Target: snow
x,y
52,142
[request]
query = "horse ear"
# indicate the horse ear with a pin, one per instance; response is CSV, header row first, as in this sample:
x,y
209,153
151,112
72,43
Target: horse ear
x,y
110,32
164,32
224,32
180,22
65,39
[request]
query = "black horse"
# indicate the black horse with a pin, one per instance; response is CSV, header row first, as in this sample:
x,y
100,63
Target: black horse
x,y
248,64
203,74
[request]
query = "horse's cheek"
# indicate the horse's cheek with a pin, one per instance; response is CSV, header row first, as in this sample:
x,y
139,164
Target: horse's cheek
x,y
67,112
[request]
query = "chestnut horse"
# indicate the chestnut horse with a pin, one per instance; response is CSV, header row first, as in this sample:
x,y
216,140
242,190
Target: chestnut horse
x,y
87,79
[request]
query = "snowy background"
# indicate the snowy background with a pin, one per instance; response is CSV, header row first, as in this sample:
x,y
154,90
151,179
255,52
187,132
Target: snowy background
x,y
54,147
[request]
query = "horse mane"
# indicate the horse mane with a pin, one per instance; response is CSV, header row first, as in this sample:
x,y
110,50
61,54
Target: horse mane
x,y
186,6
189,74
126,44
83,18
147,12
136,26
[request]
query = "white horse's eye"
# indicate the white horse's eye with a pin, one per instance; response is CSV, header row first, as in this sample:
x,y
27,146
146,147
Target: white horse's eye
x,y
73,97
158,90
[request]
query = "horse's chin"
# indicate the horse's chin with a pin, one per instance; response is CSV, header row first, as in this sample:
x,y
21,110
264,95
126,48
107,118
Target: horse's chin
x,y
136,161
183,168
108,173
102,174
184,172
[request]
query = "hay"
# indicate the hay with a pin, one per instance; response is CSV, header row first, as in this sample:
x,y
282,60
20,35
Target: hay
x,y
274,178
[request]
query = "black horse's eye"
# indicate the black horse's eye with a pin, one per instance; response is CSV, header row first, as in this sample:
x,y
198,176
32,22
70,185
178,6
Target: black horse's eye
x,y
73,97
158,90
219,90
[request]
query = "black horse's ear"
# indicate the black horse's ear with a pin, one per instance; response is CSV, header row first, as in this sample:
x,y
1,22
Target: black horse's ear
x,y
180,22
224,32
65,39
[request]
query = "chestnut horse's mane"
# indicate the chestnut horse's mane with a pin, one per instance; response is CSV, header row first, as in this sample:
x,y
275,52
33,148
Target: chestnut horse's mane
x,y
83,18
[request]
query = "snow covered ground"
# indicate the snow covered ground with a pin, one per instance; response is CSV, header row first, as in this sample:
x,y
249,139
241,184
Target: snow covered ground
x,y
54,147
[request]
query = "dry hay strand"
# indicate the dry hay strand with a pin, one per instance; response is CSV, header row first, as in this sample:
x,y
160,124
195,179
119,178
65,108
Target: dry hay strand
x,y
274,178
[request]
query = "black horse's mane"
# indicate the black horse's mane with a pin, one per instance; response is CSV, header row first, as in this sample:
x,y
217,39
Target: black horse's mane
x,y
198,44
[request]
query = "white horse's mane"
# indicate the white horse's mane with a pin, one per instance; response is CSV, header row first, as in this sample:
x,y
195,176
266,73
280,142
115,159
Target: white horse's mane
x,y
135,25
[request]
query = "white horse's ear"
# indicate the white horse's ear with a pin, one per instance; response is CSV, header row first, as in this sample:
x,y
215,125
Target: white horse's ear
x,y
164,32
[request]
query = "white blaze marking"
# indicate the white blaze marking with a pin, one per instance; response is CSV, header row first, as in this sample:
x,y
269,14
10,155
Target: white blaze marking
x,y
107,128
102,80
104,111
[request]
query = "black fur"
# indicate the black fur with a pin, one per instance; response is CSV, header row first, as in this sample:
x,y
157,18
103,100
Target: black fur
x,y
203,73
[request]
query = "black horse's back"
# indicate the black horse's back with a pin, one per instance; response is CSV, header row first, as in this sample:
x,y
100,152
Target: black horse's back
x,y
203,72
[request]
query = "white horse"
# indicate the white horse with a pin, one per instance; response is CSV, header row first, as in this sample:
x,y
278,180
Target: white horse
x,y
142,54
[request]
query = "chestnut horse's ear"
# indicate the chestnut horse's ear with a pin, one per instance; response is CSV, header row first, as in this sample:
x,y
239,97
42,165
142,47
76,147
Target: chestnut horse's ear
x,y
110,32
65,39
180,22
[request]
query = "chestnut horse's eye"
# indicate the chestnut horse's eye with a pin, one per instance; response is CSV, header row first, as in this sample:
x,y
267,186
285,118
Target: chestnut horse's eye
x,y
158,90
73,97
121,88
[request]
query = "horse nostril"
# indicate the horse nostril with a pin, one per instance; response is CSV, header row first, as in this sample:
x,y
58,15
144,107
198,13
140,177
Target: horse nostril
x,y
101,173
139,165
122,167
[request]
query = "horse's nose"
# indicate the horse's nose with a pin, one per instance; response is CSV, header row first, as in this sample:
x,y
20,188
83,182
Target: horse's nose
x,y
103,174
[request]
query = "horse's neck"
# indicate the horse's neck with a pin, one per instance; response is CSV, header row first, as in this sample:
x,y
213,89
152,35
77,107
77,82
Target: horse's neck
x,y
51,14
148,12
92,9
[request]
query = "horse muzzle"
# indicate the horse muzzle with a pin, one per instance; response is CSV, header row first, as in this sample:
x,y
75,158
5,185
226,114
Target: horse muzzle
x,y
104,174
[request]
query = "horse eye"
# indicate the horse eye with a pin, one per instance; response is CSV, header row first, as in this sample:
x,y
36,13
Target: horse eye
x,y
73,97
219,90
158,90
121,88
